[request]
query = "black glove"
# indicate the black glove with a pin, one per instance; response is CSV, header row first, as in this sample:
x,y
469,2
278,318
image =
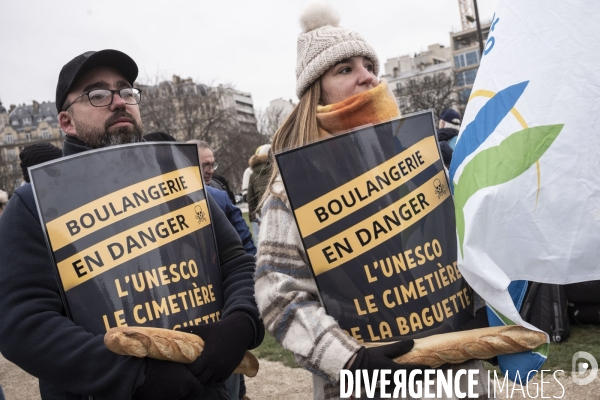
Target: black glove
x,y
166,380
480,320
225,343
382,357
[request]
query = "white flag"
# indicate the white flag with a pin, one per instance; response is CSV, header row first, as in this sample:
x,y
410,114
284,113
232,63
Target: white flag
x,y
526,167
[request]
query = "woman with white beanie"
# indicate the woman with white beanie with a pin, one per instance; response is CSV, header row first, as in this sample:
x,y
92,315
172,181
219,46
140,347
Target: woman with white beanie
x,y
336,82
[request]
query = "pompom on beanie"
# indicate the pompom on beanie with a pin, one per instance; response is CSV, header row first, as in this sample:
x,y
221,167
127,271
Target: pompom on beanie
x,y
322,44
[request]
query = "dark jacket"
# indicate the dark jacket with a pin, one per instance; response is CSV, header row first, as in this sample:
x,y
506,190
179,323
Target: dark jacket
x,y
234,215
219,182
36,335
446,134
259,180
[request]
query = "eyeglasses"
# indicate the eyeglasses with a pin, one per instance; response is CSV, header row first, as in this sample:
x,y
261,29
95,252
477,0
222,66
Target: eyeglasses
x,y
207,167
104,97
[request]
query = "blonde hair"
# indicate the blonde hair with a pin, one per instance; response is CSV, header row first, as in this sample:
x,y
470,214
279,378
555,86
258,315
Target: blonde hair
x,y
299,128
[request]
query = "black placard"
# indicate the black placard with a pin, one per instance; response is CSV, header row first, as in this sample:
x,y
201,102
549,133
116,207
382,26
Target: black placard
x,y
376,217
129,230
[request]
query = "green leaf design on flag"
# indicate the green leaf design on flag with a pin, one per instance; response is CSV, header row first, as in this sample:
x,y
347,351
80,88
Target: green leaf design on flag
x,y
500,164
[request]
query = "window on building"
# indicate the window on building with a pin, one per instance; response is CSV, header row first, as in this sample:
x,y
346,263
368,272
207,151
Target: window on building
x,y
242,104
471,58
12,154
26,120
470,76
28,136
458,61
39,119
45,134
17,183
463,96
9,139
466,59
466,77
62,133
48,118
15,122
460,79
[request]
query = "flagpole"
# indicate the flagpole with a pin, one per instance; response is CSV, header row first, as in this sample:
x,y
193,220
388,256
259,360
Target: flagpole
x,y
479,35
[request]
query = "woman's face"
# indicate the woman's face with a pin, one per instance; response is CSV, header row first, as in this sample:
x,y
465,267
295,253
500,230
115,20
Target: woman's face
x,y
348,77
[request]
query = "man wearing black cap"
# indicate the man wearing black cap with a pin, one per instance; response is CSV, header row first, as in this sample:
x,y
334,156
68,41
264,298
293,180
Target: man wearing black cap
x,y
98,107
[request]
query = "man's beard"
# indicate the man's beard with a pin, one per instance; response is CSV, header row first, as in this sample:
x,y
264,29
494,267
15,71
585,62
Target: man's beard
x,y
97,138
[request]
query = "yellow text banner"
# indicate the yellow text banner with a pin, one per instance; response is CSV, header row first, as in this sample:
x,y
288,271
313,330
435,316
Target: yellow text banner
x,y
132,243
121,204
368,187
380,227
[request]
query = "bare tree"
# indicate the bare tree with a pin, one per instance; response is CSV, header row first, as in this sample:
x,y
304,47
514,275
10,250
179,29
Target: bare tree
x,y
269,120
187,110
9,173
234,153
430,91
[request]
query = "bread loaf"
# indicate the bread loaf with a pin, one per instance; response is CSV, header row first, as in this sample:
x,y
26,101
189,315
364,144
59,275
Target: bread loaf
x,y
166,344
476,344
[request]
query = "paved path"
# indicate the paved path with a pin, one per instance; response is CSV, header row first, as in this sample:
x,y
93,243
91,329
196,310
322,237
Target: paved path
x,y
273,382
277,382
16,383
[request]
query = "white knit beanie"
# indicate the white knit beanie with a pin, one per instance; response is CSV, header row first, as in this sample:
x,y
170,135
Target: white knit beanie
x,y
323,44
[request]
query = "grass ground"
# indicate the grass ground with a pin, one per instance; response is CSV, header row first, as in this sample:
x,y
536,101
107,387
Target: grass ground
x,y
583,338
272,351
245,215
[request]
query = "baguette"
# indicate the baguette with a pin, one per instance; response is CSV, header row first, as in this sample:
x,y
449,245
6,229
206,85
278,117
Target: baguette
x,y
166,344
476,344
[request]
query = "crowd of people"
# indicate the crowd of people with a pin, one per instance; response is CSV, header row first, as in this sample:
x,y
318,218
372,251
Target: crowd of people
x,y
337,77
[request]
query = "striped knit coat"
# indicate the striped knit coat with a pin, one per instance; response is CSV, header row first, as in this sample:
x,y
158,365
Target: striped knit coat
x,y
288,301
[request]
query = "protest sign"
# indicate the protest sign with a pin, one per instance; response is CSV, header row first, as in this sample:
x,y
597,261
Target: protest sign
x,y
376,218
525,168
130,233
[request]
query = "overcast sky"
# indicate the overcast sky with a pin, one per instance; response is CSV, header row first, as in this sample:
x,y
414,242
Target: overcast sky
x,y
250,44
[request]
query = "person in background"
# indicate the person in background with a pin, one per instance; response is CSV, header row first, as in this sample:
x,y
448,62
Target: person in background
x,y
3,200
448,127
446,153
220,179
447,133
245,182
258,182
233,213
234,216
209,166
37,153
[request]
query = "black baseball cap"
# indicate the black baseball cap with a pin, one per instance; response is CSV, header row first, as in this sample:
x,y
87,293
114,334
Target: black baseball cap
x,y
90,60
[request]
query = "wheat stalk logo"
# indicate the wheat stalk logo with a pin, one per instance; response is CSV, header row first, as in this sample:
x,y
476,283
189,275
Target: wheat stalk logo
x,y
499,164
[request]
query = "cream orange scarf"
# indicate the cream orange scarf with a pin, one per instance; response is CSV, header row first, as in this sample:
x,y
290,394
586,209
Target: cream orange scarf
x,y
370,107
